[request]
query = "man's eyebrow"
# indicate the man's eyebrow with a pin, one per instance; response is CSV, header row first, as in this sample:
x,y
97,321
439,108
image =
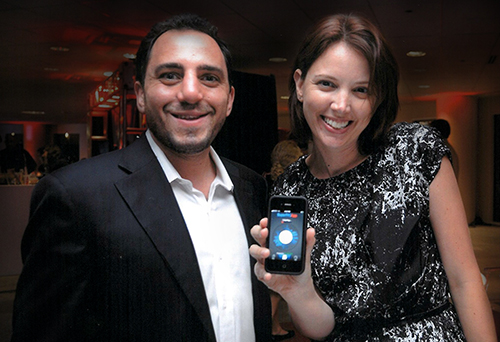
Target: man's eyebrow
x,y
178,66
168,66
206,67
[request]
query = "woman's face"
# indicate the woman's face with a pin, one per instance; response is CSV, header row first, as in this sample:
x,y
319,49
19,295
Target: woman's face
x,y
334,93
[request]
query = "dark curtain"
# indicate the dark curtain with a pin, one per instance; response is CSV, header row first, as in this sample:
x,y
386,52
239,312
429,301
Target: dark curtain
x,y
251,131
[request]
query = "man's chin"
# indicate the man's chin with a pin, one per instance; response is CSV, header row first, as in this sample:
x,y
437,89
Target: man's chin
x,y
190,150
188,147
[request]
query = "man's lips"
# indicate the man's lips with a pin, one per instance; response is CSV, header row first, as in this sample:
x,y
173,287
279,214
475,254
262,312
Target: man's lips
x,y
189,117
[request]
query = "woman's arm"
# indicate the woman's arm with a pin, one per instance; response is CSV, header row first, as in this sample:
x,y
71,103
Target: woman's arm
x,y
309,312
452,234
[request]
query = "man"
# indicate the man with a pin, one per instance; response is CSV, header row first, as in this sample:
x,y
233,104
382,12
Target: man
x,y
150,243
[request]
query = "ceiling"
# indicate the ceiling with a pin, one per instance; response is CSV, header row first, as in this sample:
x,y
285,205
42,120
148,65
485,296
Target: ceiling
x,y
461,39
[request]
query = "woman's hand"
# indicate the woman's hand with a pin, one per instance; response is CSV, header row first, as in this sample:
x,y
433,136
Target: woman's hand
x,y
280,283
309,312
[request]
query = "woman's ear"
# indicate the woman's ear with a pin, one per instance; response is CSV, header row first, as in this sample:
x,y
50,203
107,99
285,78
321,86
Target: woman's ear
x,y
299,82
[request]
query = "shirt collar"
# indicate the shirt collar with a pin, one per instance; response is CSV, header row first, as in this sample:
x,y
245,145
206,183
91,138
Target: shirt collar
x,y
171,173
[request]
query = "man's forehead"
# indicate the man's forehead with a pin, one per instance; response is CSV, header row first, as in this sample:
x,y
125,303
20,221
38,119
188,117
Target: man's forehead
x,y
187,39
189,45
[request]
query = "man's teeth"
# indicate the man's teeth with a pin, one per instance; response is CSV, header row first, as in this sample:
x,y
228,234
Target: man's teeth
x,y
188,117
336,124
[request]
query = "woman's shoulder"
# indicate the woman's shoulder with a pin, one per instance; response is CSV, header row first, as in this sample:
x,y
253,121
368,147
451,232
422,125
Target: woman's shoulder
x,y
292,177
413,137
296,168
407,130
416,144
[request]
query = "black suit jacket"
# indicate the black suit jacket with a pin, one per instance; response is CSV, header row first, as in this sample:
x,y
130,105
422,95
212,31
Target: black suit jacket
x,y
107,255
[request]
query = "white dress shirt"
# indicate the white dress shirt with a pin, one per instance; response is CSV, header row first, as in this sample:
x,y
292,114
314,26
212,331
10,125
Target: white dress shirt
x,y
219,239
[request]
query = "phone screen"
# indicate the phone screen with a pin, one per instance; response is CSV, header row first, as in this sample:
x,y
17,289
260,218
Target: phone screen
x,y
287,221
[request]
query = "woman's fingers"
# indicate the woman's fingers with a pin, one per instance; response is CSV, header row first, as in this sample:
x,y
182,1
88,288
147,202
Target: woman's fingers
x,y
260,232
310,240
259,253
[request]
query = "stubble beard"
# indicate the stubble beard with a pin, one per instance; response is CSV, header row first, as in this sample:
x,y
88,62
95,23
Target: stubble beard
x,y
189,144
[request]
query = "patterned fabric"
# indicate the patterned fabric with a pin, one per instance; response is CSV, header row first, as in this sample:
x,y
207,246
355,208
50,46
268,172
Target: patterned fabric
x,y
376,260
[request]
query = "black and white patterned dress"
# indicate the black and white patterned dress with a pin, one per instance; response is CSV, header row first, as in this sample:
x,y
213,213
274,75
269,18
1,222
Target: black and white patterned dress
x,y
376,260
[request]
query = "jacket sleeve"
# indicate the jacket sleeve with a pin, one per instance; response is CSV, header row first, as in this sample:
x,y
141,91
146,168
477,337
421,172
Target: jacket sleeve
x,y
52,290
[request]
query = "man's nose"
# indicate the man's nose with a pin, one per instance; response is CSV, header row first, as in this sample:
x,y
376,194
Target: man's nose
x,y
190,90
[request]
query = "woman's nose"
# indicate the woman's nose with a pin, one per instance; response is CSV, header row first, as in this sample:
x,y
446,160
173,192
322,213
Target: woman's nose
x,y
190,90
341,101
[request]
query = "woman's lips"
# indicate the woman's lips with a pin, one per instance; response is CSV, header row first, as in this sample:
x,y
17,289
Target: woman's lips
x,y
336,124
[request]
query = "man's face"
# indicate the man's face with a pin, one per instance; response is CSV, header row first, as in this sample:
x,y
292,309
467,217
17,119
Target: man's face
x,y
186,94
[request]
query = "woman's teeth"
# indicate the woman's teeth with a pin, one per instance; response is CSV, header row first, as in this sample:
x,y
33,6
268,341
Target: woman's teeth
x,y
336,124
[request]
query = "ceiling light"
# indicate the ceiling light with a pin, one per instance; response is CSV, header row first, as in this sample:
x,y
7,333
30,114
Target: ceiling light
x,y
277,59
33,112
108,73
285,97
59,48
129,55
415,54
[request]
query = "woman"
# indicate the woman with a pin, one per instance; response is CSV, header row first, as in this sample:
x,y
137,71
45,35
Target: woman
x,y
390,242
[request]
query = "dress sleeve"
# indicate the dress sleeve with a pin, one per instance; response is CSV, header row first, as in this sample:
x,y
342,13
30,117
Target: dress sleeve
x,y
430,149
421,149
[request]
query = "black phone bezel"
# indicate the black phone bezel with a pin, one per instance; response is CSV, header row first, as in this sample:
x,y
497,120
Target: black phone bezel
x,y
295,204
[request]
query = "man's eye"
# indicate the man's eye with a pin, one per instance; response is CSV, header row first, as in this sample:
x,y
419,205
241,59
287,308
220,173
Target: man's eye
x,y
169,76
210,78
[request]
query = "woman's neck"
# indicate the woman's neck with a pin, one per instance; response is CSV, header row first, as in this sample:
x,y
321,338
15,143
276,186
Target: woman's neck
x,y
326,163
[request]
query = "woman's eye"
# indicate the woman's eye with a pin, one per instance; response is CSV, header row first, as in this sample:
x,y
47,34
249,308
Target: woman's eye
x,y
326,84
362,90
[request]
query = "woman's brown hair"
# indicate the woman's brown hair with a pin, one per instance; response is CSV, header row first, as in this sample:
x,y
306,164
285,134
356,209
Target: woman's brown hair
x,y
364,37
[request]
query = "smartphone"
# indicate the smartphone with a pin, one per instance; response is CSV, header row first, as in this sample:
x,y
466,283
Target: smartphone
x,y
287,223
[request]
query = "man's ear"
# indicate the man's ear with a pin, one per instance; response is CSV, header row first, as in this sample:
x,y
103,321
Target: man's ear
x,y
139,93
230,101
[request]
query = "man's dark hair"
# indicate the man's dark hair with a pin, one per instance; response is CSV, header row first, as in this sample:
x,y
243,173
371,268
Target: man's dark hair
x,y
179,22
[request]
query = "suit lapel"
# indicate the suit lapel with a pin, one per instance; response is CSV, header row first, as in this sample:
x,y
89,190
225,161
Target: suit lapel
x,y
252,208
150,198
244,195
